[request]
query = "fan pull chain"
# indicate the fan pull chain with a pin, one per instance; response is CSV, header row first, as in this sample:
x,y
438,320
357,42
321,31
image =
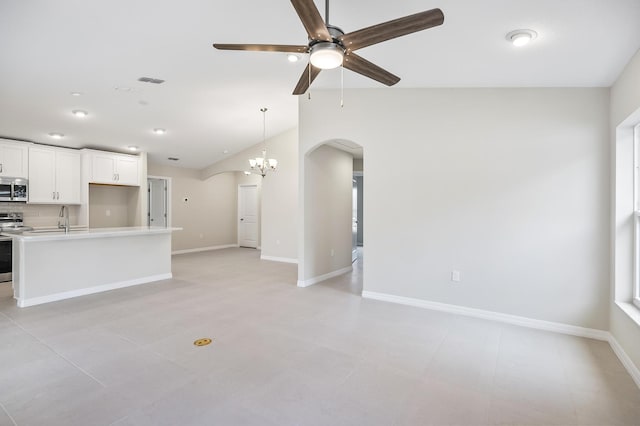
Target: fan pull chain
x,y
309,86
342,86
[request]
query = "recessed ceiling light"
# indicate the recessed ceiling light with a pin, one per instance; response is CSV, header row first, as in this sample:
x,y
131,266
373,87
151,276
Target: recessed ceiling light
x,y
521,37
293,57
132,148
56,135
247,173
79,113
159,131
226,151
76,93
122,88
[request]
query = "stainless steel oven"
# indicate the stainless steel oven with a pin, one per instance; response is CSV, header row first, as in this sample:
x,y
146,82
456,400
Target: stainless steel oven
x,y
10,223
6,258
14,189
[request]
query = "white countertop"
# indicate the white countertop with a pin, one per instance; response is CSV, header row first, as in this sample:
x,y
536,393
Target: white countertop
x,y
81,233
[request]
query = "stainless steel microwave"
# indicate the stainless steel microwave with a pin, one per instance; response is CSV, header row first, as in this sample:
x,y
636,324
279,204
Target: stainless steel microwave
x,y
14,189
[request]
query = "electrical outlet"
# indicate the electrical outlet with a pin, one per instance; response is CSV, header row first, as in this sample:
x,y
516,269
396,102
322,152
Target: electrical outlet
x,y
201,236
332,252
108,213
277,242
455,276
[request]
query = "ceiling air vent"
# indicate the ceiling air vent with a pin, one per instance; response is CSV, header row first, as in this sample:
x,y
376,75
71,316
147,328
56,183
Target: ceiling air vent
x,y
150,80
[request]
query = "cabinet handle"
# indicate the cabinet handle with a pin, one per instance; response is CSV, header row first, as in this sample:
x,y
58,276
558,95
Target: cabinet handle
x,y
118,174
0,167
53,195
57,195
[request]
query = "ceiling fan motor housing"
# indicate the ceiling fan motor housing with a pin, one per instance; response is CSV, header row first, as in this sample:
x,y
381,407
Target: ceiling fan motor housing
x,y
327,54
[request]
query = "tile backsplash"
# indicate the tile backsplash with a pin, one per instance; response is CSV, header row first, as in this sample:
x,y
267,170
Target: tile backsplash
x,y
40,215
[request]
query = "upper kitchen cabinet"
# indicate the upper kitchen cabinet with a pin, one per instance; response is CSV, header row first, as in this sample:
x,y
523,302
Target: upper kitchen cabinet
x,y
54,175
114,169
14,159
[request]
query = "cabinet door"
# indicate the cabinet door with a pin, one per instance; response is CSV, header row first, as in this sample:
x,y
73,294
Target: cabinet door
x,y
14,160
68,177
42,175
103,168
127,171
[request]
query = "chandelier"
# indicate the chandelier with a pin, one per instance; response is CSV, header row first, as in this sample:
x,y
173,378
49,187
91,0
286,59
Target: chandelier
x,y
261,164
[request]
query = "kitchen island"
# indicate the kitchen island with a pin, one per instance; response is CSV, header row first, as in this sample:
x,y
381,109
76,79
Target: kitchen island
x,y
54,265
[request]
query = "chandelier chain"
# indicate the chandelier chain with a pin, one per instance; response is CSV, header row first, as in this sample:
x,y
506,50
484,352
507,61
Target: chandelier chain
x,y
263,164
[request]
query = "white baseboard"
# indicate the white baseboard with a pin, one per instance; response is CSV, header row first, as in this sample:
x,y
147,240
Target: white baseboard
x,y
557,327
625,360
315,280
23,303
199,249
279,259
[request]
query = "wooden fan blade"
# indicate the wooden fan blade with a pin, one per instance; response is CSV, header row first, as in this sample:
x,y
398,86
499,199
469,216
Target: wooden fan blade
x,y
392,29
306,79
263,47
360,65
311,19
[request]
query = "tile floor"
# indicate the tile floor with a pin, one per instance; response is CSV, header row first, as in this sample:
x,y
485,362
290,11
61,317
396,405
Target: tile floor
x,y
288,356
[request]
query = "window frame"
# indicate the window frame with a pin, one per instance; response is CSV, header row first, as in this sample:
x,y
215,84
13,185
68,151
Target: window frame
x,y
636,215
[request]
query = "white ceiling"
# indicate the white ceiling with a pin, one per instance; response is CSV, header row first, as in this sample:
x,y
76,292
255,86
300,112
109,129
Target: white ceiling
x,y
211,99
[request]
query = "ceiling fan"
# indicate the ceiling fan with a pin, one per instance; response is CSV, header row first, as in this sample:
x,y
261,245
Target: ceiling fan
x,y
329,47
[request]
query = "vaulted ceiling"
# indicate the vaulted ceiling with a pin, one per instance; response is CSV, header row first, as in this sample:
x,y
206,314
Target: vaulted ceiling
x,y
210,101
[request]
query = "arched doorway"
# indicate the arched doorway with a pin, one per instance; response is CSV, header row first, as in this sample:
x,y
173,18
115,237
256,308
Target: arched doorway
x,y
327,237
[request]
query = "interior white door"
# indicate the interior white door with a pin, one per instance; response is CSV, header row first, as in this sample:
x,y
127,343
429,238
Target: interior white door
x,y
354,223
157,202
248,216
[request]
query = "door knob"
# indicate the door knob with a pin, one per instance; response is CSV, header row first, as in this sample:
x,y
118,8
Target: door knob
x,y
241,219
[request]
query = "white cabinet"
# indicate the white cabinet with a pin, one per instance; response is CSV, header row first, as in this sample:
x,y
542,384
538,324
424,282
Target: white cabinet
x,y
114,169
14,159
54,175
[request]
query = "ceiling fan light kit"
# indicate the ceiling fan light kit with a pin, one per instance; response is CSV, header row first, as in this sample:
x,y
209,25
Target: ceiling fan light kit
x,y
326,55
329,47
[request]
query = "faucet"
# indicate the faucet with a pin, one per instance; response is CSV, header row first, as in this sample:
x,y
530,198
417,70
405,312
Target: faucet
x,y
64,214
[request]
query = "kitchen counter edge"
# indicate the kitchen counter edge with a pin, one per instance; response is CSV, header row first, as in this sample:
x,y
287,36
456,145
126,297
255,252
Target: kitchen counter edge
x,y
91,233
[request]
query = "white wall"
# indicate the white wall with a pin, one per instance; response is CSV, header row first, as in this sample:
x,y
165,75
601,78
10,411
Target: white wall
x,y
279,193
328,203
209,216
509,186
112,206
625,111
